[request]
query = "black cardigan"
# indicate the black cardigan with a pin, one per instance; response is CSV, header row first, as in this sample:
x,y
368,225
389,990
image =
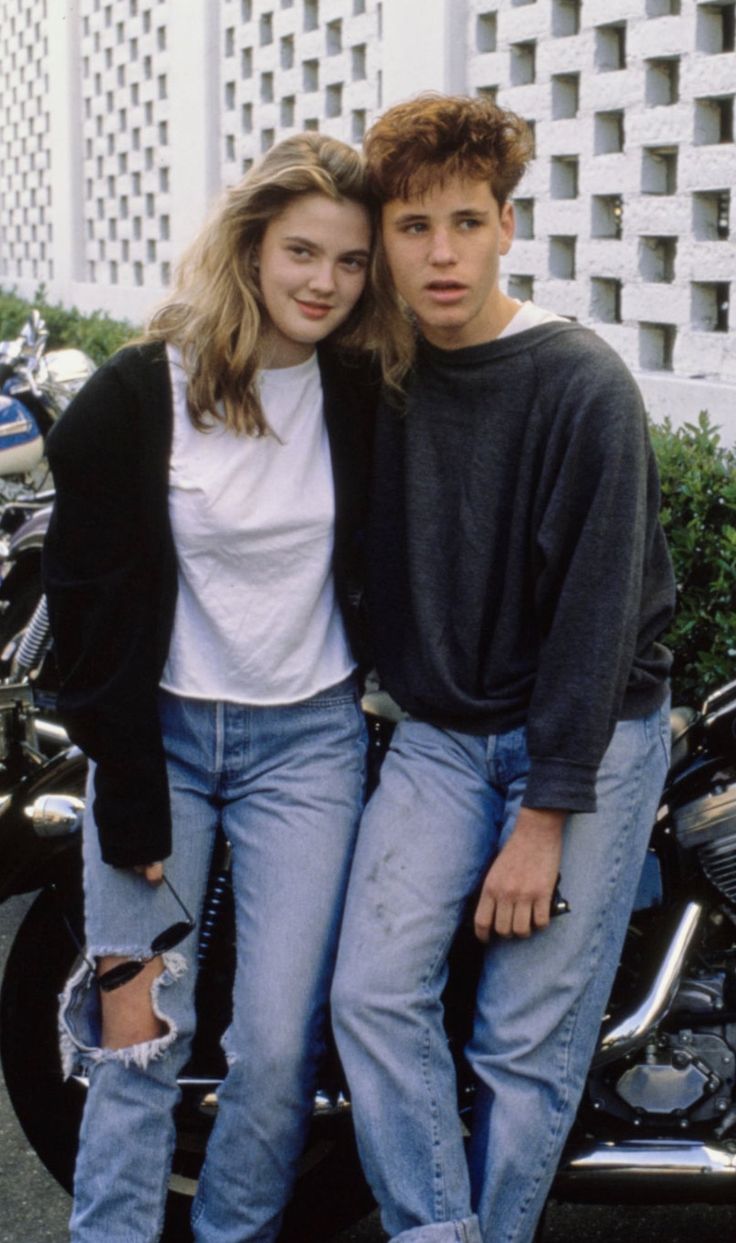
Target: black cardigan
x,y
110,573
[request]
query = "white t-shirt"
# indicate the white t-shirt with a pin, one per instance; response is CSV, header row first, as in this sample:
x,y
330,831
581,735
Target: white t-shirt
x,y
528,316
253,520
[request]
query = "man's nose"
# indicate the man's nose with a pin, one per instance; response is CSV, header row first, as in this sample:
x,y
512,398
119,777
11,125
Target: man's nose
x,y
441,250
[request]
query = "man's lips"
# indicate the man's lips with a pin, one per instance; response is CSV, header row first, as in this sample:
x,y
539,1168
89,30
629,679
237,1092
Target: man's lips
x,y
314,310
445,291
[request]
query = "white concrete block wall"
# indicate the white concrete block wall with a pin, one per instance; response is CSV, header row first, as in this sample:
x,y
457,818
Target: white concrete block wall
x,y
644,83
292,66
26,232
127,205
121,119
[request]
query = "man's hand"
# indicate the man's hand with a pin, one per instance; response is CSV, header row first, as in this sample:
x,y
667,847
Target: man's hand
x,y
153,872
517,891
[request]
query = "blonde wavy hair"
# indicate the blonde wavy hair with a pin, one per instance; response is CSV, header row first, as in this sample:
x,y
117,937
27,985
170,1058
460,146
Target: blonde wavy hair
x,y
422,143
216,315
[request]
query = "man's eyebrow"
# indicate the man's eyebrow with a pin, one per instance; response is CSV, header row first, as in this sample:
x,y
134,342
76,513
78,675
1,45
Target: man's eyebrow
x,y
411,217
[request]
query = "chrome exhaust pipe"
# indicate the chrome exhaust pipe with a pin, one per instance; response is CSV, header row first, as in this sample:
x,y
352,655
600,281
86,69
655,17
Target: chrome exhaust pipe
x,y
675,1168
631,1032
53,736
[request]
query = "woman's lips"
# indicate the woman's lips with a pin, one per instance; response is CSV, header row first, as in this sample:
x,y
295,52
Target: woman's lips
x,y
313,310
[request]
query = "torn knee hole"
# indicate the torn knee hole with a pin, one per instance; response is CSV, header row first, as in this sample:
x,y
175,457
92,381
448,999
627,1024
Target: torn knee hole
x,y
129,1024
124,1025
130,1013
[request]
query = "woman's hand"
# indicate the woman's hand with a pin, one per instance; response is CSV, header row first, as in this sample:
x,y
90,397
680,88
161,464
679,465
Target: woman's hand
x,y
153,872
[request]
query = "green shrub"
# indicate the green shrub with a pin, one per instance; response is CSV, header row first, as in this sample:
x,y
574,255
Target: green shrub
x,y
97,334
698,477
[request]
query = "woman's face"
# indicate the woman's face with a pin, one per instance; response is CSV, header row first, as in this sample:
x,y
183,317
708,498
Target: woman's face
x,y
313,265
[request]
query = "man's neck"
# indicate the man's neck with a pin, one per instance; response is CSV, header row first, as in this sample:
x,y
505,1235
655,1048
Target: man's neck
x,y
498,315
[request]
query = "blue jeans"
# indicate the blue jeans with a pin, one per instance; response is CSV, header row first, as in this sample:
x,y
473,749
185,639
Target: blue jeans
x,y
445,804
286,783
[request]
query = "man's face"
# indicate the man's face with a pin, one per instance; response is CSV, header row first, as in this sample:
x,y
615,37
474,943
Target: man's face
x,y
443,251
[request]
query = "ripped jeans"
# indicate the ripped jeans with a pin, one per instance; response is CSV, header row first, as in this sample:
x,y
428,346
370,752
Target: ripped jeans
x,y
286,783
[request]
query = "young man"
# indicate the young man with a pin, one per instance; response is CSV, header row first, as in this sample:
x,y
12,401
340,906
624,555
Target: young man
x,y
518,582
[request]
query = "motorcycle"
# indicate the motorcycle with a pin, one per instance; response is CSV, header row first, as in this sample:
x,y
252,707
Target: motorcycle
x,y
658,1116
23,526
35,388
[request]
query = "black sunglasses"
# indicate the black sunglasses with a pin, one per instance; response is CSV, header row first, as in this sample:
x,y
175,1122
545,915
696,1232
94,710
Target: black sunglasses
x,y
125,971
558,905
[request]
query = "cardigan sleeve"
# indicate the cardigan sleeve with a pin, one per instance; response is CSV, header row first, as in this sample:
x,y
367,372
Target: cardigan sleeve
x,y
99,578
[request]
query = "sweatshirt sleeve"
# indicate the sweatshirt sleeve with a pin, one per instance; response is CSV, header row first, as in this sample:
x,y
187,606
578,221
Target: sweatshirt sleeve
x,y
96,578
599,500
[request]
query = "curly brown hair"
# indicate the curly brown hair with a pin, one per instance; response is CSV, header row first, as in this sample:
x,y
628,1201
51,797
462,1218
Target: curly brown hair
x,y
431,138
421,143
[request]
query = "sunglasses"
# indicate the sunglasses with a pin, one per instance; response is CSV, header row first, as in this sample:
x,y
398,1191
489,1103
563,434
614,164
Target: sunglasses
x,y
123,972
558,905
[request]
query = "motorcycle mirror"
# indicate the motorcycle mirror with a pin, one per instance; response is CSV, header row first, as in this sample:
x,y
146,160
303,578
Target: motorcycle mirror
x,y
55,815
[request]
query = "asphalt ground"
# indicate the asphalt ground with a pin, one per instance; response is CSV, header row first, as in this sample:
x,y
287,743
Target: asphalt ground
x,y
34,1209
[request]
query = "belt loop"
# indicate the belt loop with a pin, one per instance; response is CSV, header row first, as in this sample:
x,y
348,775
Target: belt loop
x,y
491,743
219,735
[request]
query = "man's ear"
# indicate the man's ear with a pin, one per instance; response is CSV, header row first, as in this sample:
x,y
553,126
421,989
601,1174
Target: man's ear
x,y
507,221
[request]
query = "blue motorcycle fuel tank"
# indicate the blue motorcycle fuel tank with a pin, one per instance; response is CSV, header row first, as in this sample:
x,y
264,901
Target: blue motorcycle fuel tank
x,y
21,443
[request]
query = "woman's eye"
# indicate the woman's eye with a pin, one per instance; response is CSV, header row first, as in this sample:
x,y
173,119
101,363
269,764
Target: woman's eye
x,y
355,265
300,252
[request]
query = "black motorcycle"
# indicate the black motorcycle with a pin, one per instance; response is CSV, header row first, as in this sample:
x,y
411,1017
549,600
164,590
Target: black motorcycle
x,y
658,1117
36,386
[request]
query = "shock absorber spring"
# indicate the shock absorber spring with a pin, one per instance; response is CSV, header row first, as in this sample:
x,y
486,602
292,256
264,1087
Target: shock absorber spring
x,y
35,641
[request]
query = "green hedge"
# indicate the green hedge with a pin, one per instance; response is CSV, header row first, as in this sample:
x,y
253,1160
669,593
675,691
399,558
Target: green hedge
x,y
698,475
698,478
97,334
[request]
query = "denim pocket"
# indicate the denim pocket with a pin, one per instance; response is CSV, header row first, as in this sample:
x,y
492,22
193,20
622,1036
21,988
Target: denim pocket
x,y
511,756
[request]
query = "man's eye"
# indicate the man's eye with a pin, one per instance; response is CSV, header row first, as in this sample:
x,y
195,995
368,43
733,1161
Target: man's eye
x,y
414,228
470,223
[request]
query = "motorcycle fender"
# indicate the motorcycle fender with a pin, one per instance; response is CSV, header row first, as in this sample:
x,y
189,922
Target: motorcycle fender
x,y
22,555
30,535
27,861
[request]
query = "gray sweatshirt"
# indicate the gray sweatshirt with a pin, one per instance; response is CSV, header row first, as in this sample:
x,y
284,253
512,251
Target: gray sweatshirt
x,y
517,571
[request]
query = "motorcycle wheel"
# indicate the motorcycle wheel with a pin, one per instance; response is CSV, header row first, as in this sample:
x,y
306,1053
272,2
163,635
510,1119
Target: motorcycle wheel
x,y
331,1193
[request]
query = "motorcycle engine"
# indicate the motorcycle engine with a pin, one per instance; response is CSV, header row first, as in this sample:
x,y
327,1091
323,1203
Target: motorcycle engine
x,y
683,1076
708,825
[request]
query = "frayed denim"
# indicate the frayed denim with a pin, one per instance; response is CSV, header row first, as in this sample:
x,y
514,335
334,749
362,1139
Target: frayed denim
x,y
445,804
287,785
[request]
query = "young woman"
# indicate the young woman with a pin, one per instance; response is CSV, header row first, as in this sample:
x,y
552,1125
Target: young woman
x,y
199,568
